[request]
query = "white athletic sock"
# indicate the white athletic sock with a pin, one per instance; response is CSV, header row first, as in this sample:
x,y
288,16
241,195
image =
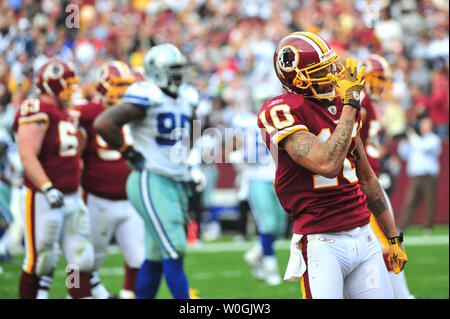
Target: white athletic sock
x,y
44,286
97,289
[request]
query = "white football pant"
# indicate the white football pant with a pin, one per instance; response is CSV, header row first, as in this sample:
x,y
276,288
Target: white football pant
x,y
46,228
116,218
349,260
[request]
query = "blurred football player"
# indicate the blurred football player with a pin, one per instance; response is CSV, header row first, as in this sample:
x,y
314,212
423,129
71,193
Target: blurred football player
x,y
159,113
103,180
256,186
377,89
54,212
323,179
138,74
5,199
10,178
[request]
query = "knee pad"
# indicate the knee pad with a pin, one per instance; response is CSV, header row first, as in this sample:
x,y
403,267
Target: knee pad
x,y
46,262
83,256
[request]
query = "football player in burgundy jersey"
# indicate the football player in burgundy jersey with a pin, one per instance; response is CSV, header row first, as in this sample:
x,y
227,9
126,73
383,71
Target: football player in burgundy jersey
x,y
54,212
103,180
377,89
323,178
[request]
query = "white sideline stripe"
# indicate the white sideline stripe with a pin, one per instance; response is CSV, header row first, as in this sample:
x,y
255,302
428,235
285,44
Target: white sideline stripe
x,y
284,244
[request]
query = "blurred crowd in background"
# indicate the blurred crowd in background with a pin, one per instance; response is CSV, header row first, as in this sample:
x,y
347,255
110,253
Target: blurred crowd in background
x,y
231,43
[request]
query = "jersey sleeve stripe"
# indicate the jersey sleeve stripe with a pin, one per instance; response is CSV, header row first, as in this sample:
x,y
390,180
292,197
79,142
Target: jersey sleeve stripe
x,y
278,137
34,118
135,101
136,97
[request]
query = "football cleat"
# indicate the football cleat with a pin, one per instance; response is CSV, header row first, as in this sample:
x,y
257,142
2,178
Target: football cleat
x,y
253,258
271,274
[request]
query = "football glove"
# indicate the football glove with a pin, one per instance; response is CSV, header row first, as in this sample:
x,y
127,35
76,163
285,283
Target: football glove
x,y
54,197
351,85
397,254
135,159
198,178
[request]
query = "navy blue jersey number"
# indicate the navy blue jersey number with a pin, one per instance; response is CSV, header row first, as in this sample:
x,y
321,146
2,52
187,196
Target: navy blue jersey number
x,y
166,123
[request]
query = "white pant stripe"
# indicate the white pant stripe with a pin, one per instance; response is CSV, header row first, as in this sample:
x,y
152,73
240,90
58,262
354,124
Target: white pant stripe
x,y
155,221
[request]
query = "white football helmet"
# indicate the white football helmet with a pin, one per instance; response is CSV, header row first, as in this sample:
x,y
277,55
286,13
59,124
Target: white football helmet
x,y
165,65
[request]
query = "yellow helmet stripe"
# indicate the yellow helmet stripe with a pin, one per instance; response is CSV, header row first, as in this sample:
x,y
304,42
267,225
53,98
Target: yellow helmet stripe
x,y
312,43
322,44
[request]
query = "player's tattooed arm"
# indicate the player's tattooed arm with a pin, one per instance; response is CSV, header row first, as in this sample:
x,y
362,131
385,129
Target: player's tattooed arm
x,y
324,158
109,123
300,143
377,202
337,145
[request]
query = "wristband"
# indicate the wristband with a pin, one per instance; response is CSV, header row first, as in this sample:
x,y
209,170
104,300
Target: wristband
x,y
353,103
399,237
123,147
46,186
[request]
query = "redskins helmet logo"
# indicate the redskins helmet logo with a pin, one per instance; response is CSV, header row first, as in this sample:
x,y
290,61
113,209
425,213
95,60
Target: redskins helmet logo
x,y
102,73
288,58
53,71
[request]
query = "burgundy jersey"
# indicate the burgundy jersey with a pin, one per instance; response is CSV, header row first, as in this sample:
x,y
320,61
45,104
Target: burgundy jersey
x,y
59,155
315,203
105,170
370,132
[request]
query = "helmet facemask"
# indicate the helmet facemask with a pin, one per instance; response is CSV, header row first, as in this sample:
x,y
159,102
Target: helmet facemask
x,y
176,75
116,89
315,77
165,65
380,85
72,89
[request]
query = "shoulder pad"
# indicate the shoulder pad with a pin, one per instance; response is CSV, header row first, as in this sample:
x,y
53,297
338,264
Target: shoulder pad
x,y
190,93
293,100
143,94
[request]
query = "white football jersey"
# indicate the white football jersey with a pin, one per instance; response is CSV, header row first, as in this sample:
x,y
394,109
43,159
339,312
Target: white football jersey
x,y
162,136
259,164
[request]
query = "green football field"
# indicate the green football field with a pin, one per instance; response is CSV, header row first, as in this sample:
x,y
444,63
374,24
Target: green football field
x,y
216,270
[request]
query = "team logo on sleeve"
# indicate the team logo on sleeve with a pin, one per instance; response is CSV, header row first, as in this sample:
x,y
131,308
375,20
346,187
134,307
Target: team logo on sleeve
x,y
288,58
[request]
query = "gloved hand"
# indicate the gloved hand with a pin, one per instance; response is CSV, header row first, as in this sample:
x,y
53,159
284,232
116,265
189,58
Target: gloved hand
x,y
236,157
54,197
198,178
397,255
351,85
135,159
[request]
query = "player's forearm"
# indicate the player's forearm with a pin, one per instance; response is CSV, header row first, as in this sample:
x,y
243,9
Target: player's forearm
x,y
324,158
336,146
109,123
378,206
34,170
110,132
